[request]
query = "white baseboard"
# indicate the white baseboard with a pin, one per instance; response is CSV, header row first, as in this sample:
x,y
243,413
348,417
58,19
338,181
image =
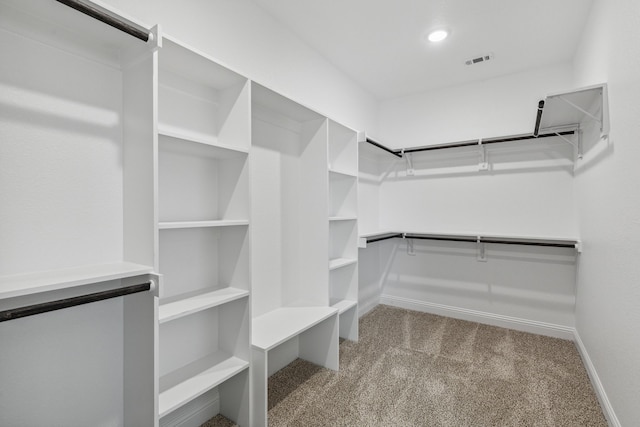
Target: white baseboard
x,y
194,413
516,323
605,404
365,307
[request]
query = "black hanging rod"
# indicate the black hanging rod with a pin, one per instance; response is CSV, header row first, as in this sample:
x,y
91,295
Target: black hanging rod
x,y
106,18
388,150
470,239
383,237
31,310
473,143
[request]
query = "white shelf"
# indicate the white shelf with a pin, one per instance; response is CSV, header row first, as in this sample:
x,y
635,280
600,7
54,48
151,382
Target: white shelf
x,y
343,218
341,262
343,173
196,144
27,284
572,108
344,305
277,326
186,305
167,225
191,381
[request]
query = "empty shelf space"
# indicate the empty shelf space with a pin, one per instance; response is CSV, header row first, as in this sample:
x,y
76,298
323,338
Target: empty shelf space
x,y
344,305
277,326
193,303
191,381
26,284
341,262
197,144
166,225
343,218
343,172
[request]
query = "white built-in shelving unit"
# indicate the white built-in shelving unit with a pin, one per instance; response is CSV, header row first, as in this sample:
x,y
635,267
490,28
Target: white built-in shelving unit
x,y
76,184
290,299
125,161
203,220
343,227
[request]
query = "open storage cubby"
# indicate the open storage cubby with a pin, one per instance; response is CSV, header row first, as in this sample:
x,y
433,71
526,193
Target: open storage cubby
x,y
343,247
76,181
201,185
206,350
343,149
203,226
200,100
343,202
290,298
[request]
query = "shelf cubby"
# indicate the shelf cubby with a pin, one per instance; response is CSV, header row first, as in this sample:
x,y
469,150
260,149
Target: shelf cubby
x,y
200,182
343,239
343,201
343,149
200,100
201,351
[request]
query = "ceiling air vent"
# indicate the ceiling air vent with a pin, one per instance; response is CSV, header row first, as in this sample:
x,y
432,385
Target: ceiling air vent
x,y
479,59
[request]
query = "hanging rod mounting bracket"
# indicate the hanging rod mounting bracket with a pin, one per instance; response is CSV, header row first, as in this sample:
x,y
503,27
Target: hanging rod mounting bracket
x,y
481,254
407,156
483,164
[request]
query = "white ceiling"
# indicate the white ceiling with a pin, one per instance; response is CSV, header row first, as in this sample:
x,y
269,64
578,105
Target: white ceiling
x,y
379,42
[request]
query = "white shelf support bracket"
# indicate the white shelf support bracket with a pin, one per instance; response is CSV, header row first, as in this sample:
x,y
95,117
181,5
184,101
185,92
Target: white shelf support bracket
x,y
483,164
579,246
481,252
583,111
409,160
410,249
577,146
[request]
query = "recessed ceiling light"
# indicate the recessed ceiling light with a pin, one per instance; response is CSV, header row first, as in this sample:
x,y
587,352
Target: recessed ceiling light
x,y
437,36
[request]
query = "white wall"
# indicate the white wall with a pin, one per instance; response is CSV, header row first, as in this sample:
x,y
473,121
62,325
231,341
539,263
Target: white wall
x,y
242,36
527,191
608,203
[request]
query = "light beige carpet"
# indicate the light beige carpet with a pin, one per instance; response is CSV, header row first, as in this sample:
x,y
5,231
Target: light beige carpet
x,y
417,369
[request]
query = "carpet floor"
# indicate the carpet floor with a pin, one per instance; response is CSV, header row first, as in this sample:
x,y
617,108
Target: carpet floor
x,y
417,369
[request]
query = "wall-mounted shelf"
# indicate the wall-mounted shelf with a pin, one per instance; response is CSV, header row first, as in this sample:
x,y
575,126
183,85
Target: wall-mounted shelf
x,y
197,301
191,381
31,283
201,224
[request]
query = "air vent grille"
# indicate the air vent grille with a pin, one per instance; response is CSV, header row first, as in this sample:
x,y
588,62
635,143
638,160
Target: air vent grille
x,y
479,59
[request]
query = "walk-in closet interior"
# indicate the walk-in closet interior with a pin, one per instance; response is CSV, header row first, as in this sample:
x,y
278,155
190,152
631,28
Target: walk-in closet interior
x,y
197,196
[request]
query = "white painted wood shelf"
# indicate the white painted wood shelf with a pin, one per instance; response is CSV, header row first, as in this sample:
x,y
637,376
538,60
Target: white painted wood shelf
x,y
344,305
341,262
195,144
343,172
277,326
182,306
185,384
32,283
167,225
343,218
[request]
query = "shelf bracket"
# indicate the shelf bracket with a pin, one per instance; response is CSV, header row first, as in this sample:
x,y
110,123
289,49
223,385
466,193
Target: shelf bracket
x,y
583,111
577,146
407,156
410,249
481,254
483,164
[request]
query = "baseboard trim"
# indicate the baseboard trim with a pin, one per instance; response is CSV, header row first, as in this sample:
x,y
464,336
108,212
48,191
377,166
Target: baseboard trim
x,y
605,403
365,307
194,413
516,323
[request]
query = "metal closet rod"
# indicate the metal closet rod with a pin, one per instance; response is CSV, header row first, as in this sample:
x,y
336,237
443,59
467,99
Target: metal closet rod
x,y
106,18
471,240
31,310
473,143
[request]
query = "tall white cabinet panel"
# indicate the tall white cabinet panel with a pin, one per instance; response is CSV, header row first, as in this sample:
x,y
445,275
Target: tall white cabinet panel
x,y
76,184
203,227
